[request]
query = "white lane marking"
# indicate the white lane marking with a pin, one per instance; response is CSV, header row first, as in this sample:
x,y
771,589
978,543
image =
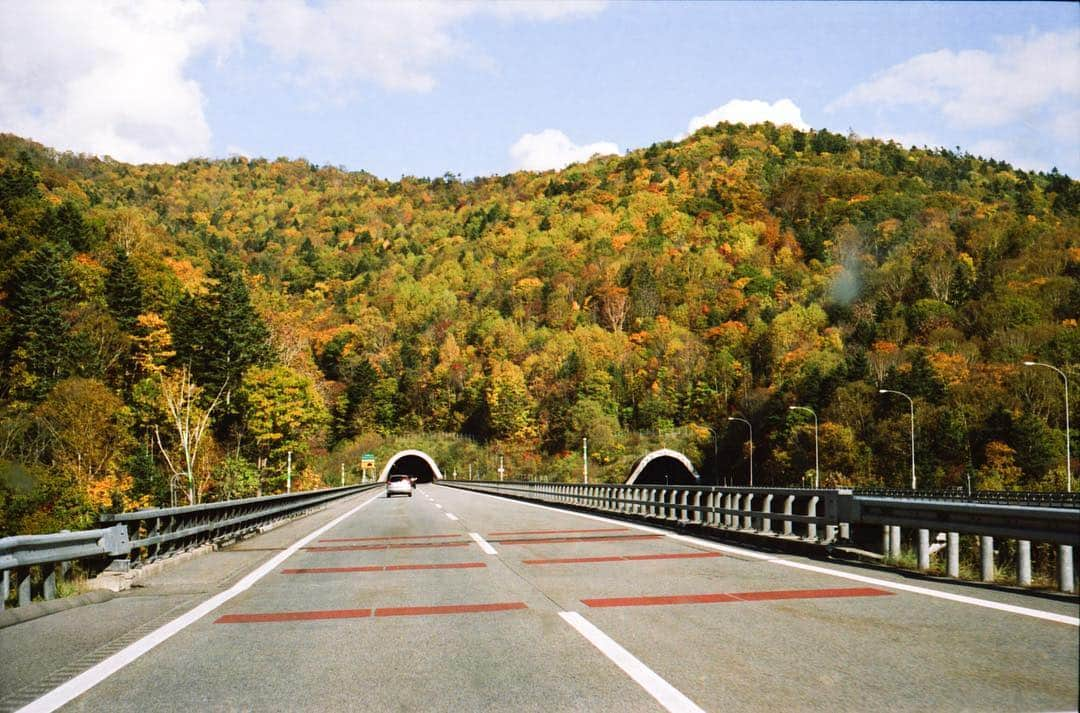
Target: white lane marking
x,y
438,506
451,515
483,543
96,674
771,559
666,695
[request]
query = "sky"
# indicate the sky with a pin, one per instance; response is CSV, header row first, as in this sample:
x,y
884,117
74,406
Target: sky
x,y
482,88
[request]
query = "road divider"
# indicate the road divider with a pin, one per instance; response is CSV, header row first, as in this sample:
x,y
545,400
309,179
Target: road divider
x,y
665,694
488,549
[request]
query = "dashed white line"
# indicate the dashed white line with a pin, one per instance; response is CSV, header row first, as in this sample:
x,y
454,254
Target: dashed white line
x,y
487,548
772,559
451,515
438,506
98,673
665,694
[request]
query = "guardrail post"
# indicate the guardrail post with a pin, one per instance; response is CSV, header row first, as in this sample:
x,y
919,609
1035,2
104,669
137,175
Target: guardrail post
x,y
748,508
1065,569
986,556
22,582
953,546
894,541
789,505
886,549
924,549
5,590
684,501
845,531
766,509
697,508
1023,563
811,511
48,587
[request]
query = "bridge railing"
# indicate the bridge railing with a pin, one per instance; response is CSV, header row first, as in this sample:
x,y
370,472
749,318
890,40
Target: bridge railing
x,y
833,517
145,536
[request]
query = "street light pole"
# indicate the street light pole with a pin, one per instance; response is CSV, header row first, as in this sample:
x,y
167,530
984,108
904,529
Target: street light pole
x,y
912,405
751,427
817,470
1068,451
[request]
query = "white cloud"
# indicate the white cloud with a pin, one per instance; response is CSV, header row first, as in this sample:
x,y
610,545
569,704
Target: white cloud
x,y
112,77
107,78
398,45
552,148
979,88
751,111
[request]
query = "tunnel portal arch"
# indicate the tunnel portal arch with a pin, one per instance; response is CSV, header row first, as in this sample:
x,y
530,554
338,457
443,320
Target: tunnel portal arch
x,y
411,462
652,468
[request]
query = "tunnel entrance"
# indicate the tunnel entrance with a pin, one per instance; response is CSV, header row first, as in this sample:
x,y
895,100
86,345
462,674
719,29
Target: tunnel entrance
x,y
663,467
412,463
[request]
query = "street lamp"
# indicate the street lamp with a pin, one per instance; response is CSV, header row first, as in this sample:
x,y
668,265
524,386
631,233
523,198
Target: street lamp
x,y
912,405
817,470
751,427
1068,452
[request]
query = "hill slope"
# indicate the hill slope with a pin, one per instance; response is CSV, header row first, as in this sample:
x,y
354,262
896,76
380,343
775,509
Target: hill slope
x,y
632,299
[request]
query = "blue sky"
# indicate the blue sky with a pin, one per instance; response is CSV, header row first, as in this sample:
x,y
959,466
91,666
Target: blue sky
x,y
478,88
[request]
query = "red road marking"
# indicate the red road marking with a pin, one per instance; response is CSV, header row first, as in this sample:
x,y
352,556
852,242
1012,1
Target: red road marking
x,y
736,597
555,532
625,558
393,537
382,568
364,613
446,565
398,546
294,616
449,609
546,540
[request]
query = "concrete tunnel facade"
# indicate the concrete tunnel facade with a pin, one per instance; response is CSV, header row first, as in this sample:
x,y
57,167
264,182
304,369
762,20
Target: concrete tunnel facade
x,y
652,468
411,462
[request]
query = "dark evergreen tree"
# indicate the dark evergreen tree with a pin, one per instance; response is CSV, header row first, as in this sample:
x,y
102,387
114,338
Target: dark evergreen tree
x,y
123,292
37,339
220,335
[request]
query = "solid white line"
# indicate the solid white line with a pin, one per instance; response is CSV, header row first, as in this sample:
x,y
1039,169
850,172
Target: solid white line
x,y
99,672
483,543
772,559
666,695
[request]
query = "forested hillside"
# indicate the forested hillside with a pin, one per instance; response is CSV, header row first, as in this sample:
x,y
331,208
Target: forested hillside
x,y
168,333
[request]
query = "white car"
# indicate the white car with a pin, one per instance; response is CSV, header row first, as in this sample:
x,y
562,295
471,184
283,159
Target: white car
x,y
399,485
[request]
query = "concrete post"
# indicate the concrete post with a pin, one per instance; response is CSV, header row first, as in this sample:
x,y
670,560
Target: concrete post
x,y
1023,563
22,581
684,502
845,531
924,549
1065,569
766,522
697,506
49,585
736,505
5,590
811,511
886,552
894,541
953,546
789,503
748,508
830,533
986,555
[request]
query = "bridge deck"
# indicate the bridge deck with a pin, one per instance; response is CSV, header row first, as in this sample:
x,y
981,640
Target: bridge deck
x,y
401,606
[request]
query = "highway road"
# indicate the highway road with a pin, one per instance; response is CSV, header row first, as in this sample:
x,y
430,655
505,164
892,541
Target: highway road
x,y
458,601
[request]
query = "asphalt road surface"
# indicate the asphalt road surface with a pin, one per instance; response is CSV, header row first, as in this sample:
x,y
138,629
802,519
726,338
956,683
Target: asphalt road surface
x,y
458,601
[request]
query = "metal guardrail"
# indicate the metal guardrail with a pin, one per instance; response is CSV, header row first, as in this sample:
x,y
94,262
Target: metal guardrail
x,y
800,512
1058,525
144,536
1002,497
